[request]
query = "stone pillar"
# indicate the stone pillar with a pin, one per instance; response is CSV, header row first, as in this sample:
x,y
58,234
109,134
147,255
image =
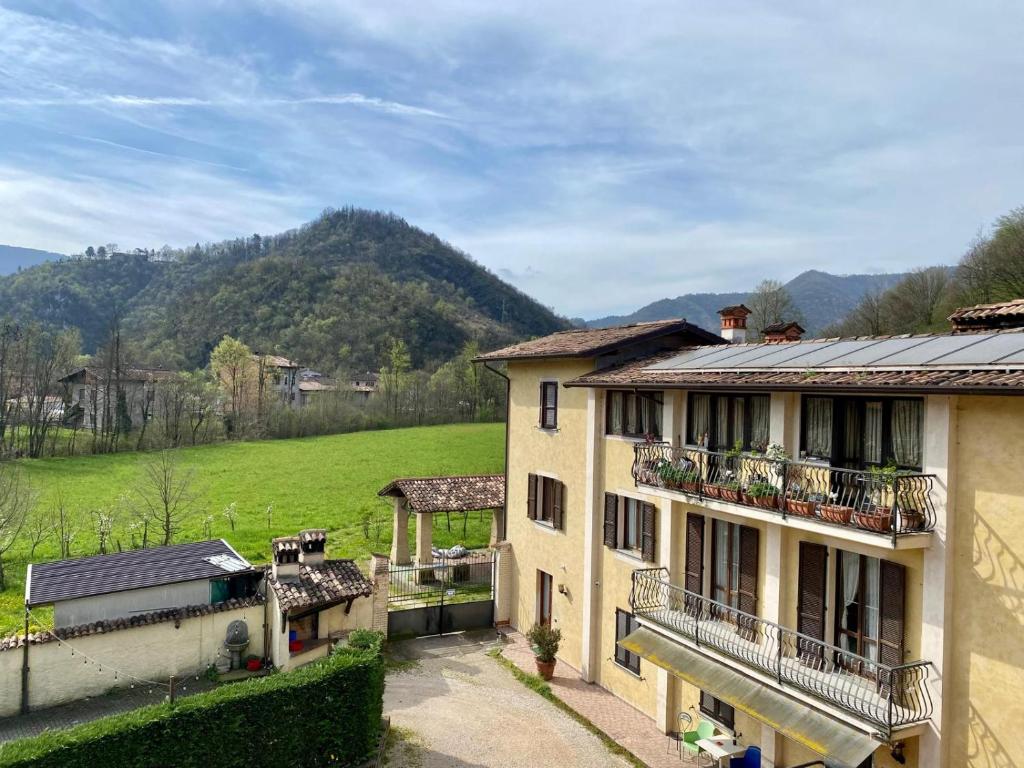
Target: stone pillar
x,y
497,518
504,572
424,547
400,533
380,574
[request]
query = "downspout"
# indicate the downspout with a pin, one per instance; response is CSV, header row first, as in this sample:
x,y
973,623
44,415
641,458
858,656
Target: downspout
x,y
508,408
24,667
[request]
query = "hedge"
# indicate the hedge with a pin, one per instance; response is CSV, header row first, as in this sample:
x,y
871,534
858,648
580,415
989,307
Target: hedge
x,y
327,713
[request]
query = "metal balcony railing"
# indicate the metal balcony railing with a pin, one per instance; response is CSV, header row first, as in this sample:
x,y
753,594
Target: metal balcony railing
x,y
887,697
879,501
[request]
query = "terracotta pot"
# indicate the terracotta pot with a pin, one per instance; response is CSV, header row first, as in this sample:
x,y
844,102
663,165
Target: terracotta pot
x,y
735,495
880,521
690,487
911,520
836,513
713,491
546,669
765,502
800,508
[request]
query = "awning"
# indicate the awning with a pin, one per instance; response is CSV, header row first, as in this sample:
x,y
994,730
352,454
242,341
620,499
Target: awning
x,y
793,719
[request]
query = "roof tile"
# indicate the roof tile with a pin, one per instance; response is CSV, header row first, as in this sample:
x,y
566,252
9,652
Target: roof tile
x,y
465,493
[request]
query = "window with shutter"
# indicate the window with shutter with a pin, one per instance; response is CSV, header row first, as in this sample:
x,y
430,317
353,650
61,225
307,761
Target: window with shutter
x,y
611,520
647,527
869,615
747,587
893,577
531,497
549,405
810,607
631,522
694,574
557,504
625,624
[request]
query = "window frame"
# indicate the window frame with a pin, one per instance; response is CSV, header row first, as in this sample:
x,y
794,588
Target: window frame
x,y
840,405
624,658
732,397
545,603
633,400
732,539
860,636
625,529
548,413
719,712
546,502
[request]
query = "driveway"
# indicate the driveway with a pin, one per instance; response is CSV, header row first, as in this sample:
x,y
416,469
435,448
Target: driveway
x,y
452,706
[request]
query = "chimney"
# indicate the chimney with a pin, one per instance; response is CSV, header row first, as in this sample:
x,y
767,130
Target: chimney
x,y
782,333
734,323
286,556
312,543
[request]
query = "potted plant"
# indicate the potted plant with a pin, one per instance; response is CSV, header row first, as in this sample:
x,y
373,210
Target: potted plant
x,y
730,491
762,493
544,640
878,517
832,512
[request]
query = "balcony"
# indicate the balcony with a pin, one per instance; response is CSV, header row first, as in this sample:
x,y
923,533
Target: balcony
x,y
884,697
878,503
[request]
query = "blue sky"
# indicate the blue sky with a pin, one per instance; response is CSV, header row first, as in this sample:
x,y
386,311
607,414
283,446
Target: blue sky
x,y
598,155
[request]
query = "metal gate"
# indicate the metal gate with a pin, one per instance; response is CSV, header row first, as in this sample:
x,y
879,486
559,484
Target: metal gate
x,y
445,596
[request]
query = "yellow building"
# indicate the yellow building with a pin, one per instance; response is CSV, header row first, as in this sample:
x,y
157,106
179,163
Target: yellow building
x,y
814,545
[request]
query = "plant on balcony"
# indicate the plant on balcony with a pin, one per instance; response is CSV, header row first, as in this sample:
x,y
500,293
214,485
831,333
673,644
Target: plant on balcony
x,y
544,641
831,512
762,493
730,490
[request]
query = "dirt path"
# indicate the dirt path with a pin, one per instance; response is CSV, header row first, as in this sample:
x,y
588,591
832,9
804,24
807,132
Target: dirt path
x,y
453,707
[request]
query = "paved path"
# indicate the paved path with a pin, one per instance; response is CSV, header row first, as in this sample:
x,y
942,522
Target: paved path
x,y
77,712
457,708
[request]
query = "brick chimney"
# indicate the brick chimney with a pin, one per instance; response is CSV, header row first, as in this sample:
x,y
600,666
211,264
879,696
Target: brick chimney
x,y
286,556
312,543
781,333
734,323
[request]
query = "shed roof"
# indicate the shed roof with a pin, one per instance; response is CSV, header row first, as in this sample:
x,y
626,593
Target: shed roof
x,y
329,583
465,493
989,314
592,342
136,569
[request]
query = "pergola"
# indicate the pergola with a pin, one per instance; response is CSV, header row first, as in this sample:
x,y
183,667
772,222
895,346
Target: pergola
x,y
424,496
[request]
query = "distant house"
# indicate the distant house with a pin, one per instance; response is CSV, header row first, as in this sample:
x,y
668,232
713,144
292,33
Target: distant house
x,y
87,403
312,384
22,409
282,377
365,384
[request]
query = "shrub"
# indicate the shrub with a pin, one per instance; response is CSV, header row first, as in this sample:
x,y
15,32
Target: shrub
x,y
545,641
327,713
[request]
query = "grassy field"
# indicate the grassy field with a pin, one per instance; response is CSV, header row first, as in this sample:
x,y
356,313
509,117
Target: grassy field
x,y
320,482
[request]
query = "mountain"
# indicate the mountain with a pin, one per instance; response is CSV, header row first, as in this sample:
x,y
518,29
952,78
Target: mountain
x,y
13,258
331,293
822,298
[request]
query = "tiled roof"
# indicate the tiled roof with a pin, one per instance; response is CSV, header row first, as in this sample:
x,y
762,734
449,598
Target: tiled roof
x,y
138,620
987,314
131,374
735,309
464,493
134,569
591,342
782,328
332,582
277,361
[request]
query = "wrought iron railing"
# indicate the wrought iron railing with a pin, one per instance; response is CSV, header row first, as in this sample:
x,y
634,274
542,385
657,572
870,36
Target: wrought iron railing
x,y
888,697
881,501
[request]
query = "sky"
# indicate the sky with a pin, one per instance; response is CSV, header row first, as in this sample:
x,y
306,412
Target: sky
x,y
598,155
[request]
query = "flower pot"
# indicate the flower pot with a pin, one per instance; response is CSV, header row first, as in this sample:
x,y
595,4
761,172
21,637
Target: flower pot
x,y
836,513
735,495
253,665
800,508
879,521
911,520
713,491
546,669
690,487
765,502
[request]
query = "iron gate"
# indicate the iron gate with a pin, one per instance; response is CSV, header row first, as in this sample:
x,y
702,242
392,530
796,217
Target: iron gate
x,y
446,596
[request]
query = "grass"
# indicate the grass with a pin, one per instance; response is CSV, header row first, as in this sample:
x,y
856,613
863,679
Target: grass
x,y
540,686
319,482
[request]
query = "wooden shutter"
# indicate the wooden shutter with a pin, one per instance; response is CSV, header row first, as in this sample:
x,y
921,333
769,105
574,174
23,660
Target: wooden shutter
x,y
611,520
747,587
892,586
810,606
541,399
694,573
558,494
647,538
531,498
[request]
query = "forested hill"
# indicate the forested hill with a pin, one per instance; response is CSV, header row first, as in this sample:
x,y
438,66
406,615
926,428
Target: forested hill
x,y
331,293
821,298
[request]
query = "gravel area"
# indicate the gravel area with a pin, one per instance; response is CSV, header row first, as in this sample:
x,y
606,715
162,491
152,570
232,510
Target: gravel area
x,y
455,707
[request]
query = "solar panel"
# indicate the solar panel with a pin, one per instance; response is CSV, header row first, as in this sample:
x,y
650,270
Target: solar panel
x,y
227,563
689,354
987,351
873,349
781,354
822,356
718,354
922,354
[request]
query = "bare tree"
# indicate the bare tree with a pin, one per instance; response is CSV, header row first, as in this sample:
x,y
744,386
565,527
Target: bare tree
x,y
167,494
64,525
771,303
17,498
39,526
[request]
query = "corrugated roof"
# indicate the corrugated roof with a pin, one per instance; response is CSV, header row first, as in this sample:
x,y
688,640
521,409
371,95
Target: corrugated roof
x,y
321,585
591,342
465,493
136,569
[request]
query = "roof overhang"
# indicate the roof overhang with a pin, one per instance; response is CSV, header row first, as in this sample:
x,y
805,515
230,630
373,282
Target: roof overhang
x,y
838,741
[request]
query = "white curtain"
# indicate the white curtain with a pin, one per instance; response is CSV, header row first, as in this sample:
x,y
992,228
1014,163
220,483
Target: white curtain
x,y
616,408
651,411
907,416
851,581
760,409
818,431
871,587
873,433
721,560
722,426
632,428
700,418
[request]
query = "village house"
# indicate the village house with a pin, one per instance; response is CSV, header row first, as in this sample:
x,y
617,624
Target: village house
x,y
311,385
92,395
813,547
365,384
281,376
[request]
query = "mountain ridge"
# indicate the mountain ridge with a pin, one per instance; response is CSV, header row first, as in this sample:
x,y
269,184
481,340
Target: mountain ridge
x,y
14,257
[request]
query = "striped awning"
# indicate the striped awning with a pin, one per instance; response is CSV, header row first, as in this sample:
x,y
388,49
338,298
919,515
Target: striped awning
x,y
841,744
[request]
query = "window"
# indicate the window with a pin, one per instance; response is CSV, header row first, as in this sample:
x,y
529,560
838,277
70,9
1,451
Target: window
x,y
546,500
305,627
858,432
718,422
631,524
634,414
857,594
549,405
544,598
725,557
717,710
625,624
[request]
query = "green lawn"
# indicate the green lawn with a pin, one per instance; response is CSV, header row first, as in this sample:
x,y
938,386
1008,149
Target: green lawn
x,y
319,482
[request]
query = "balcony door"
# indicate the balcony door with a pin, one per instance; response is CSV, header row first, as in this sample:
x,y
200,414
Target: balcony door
x,y
544,583
870,612
734,560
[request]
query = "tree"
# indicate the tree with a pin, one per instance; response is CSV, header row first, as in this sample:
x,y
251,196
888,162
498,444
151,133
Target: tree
x,y
64,525
232,364
17,498
771,303
167,494
392,375
993,268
